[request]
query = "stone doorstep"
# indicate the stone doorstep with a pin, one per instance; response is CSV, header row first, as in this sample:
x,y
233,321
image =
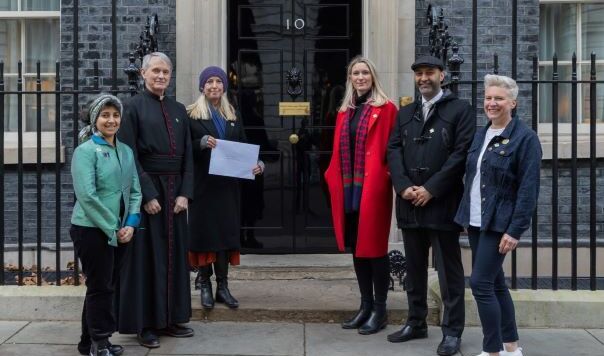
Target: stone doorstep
x,y
543,308
303,300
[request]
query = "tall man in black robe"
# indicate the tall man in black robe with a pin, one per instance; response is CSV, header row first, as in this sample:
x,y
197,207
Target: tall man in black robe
x,y
426,155
155,294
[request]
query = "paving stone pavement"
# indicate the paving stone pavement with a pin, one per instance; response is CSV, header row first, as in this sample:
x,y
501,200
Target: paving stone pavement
x,y
41,338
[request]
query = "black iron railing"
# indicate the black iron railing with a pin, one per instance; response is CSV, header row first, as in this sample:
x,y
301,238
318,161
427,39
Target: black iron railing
x,y
440,43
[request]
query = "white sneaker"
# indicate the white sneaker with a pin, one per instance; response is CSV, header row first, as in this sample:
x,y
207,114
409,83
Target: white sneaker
x,y
518,352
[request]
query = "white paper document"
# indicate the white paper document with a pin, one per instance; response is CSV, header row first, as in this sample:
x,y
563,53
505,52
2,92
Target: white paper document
x,y
234,159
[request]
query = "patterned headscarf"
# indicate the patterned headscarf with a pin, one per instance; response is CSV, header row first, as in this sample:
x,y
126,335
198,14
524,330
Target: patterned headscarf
x,y
93,113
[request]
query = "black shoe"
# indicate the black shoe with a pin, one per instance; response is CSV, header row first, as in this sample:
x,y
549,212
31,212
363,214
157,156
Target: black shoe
x,y
378,319
449,346
100,348
84,349
207,298
223,294
148,338
360,318
176,330
408,332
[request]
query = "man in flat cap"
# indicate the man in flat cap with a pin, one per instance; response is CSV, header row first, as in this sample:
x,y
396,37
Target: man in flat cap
x,y
426,155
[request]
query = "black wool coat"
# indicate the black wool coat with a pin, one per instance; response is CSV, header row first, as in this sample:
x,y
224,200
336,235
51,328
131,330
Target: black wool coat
x,y
431,154
215,213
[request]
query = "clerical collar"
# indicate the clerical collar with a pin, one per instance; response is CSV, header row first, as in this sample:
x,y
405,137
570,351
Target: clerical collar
x,y
434,99
153,95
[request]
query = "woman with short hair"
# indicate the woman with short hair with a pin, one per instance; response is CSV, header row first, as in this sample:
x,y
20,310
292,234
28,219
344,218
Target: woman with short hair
x,y
500,195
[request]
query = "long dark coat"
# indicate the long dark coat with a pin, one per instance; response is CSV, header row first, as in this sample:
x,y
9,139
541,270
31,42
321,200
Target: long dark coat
x,y
154,286
215,213
433,155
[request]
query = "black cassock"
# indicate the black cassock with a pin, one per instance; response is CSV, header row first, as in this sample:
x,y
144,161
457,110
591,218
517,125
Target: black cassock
x,y
154,286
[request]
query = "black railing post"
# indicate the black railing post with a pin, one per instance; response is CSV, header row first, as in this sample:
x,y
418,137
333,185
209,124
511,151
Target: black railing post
x,y
38,175
555,174
573,177
455,63
2,236
592,173
114,47
132,72
474,54
58,172
76,110
535,120
20,171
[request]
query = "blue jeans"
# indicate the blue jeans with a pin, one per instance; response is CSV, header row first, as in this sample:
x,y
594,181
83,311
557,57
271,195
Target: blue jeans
x,y
495,305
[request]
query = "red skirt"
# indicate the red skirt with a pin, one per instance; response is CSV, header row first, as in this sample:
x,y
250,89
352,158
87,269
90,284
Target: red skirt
x,y
201,259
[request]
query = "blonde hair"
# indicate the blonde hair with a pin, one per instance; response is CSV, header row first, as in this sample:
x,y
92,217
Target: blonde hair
x,y
200,109
501,81
377,97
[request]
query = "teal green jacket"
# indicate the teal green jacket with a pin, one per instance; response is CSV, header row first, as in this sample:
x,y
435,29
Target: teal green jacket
x,y
102,176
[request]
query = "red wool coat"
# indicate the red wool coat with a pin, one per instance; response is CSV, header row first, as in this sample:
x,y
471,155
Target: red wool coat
x,y
376,200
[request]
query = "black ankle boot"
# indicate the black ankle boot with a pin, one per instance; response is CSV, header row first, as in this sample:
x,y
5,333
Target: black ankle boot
x,y
223,294
205,285
207,298
100,348
376,322
360,317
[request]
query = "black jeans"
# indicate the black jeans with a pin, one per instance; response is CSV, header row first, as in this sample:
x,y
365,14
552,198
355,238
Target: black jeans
x,y
100,265
495,305
447,254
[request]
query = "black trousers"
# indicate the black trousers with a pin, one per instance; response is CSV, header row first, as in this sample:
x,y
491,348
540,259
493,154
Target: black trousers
x,y
100,264
445,247
373,274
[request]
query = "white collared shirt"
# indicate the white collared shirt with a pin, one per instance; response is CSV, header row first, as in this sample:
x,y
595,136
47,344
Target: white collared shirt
x,y
427,107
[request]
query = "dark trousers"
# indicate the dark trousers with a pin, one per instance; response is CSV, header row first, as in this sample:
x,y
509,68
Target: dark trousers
x,y
447,254
220,267
100,265
373,274
495,305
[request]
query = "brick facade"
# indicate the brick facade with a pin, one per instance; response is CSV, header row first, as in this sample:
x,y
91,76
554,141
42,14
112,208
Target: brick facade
x,y
494,28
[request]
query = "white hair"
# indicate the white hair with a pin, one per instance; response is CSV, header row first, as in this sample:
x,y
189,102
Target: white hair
x,y
147,58
501,81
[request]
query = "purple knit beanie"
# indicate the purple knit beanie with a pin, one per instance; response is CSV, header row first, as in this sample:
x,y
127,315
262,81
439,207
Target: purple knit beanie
x,y
213,71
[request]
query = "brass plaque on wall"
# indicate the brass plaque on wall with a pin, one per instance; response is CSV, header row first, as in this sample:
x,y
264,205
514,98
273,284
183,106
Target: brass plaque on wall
x,y
301,108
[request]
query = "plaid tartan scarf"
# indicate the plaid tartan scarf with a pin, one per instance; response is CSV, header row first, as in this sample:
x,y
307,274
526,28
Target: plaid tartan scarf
x,y
353,180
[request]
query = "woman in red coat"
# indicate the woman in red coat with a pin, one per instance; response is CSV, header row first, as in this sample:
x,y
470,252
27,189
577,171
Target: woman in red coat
x,y
361,191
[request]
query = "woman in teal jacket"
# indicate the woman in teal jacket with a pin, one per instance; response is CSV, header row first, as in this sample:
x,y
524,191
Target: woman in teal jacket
x,y
105,214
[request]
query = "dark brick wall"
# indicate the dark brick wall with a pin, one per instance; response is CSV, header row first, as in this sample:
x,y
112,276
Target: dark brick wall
x,y
94,45
494,36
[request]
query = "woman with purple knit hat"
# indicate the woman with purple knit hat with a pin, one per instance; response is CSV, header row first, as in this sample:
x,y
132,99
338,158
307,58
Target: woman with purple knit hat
x,y
214,219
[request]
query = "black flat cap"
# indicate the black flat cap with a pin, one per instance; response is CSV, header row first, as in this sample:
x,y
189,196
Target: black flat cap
x,y
428,61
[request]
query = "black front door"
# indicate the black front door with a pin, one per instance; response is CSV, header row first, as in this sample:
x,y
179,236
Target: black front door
x,y
287,210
